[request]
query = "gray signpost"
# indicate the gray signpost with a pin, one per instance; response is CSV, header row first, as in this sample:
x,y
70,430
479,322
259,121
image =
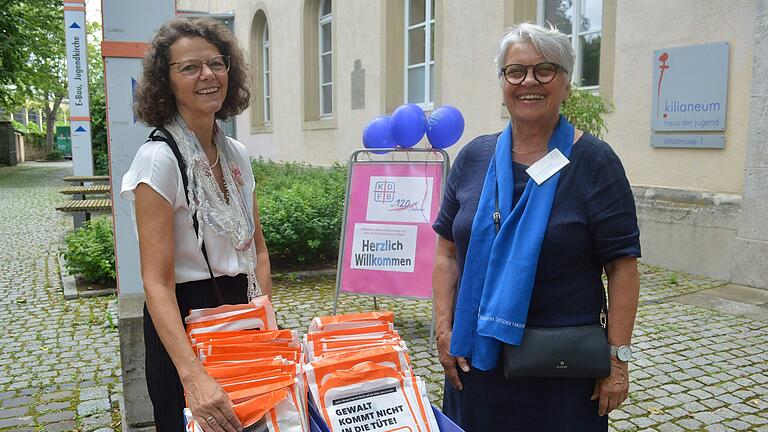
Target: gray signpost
x,y
690,92
128,28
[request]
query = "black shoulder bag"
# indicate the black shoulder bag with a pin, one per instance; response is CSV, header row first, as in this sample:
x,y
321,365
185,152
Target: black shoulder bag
x,y
167,138
559,352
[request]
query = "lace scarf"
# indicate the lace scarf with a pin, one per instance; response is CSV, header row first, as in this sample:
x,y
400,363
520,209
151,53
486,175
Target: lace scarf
x,y
208,202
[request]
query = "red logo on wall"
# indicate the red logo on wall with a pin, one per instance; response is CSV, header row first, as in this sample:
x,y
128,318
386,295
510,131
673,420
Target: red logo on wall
x,y
662,66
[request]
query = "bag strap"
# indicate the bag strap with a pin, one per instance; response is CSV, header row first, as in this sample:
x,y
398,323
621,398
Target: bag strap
x,y
497,226
162,134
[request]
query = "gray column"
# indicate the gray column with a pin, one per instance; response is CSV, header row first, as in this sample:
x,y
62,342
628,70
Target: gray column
x,y
128,24
750,257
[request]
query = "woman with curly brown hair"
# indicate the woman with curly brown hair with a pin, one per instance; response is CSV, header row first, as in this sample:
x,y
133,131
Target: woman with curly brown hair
x,y
191,189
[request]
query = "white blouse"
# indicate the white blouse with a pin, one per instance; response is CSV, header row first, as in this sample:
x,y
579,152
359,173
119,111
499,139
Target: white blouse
x,y
156,166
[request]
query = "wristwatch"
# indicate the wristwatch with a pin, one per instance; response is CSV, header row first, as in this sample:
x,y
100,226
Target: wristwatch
x,y
623,352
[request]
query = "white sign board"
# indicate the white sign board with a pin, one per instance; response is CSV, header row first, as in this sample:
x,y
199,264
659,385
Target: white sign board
x,y
384,247
77,80
399,199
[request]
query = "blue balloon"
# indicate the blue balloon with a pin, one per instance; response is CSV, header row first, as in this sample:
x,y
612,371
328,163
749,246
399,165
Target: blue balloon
x,y
445,126
378,134
408,125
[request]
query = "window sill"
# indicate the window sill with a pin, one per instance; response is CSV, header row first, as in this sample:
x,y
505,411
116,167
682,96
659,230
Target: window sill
x,y
592,89
329,123
261,129
427,107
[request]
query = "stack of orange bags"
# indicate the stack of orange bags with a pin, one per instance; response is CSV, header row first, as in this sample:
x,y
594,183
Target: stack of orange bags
x,y
332,335
360,376
257,365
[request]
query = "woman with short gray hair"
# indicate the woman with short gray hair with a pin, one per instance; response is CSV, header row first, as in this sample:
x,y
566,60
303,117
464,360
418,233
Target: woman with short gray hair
x,y
519,301
552,44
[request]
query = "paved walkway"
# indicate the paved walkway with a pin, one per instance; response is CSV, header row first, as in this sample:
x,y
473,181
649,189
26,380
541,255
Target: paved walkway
x,y
702,362
696,368
59,360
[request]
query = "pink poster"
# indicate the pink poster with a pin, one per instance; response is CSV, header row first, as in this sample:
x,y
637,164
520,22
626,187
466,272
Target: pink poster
x,y
389,244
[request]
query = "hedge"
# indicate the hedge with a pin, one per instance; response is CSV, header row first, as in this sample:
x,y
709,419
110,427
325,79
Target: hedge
x,y
301,208
90,251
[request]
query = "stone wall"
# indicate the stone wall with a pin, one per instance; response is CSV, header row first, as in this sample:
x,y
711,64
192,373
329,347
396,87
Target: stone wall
x,y
33,151
750,259
687,230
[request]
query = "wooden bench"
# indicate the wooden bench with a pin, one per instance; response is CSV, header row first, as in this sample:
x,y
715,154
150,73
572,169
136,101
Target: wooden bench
x,y
86,179
102,189
80,207
88,206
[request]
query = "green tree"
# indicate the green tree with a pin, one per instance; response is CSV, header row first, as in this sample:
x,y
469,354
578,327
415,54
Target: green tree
x,y
33,57
12,44
97,100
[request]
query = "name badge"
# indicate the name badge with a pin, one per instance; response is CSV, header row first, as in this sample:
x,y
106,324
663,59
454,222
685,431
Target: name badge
x,y
547,166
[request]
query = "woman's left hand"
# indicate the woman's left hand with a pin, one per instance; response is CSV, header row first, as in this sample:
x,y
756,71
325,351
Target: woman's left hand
x,y
613,390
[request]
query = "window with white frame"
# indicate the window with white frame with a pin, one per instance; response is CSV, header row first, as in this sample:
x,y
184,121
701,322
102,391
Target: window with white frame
x,y
419,51
265,74
582,21
261,108
325,24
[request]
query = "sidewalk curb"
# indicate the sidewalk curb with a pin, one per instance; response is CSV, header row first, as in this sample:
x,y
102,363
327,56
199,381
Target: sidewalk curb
x,y
68,285
304,274
125,427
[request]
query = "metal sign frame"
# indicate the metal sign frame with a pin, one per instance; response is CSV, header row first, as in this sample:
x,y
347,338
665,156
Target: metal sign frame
x,y
407,156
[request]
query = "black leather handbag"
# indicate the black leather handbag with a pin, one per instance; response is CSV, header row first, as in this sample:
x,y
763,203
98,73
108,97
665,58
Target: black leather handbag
x,y
559,352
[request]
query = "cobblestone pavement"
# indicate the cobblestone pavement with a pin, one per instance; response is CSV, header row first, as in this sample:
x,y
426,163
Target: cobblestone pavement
x,y
697,369
59,360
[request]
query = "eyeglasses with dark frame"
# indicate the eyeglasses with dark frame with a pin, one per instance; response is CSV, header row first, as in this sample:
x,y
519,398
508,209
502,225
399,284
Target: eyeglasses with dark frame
x,y
192,68
543,72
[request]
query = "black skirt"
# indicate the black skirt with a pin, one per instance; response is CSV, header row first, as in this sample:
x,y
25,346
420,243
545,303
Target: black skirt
x,y
490,402
163,382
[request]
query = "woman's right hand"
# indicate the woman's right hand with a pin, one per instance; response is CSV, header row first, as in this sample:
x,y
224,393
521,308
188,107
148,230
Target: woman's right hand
x,y
210,405
450,362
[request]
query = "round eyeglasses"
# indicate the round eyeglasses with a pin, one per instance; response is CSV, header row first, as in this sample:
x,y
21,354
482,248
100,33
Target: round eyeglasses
x,y
543,72
192,68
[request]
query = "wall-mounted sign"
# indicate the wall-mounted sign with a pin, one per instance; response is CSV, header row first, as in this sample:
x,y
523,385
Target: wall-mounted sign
x,y
690,92
714,140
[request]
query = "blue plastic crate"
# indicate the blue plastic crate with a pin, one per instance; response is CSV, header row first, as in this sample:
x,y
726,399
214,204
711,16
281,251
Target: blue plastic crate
x,y
317,424
444,423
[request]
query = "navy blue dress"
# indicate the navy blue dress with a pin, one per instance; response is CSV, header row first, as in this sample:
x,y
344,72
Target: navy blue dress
x,y
593,222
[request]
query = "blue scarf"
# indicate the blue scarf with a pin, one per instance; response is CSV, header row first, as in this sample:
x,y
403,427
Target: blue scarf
x,y
496,285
